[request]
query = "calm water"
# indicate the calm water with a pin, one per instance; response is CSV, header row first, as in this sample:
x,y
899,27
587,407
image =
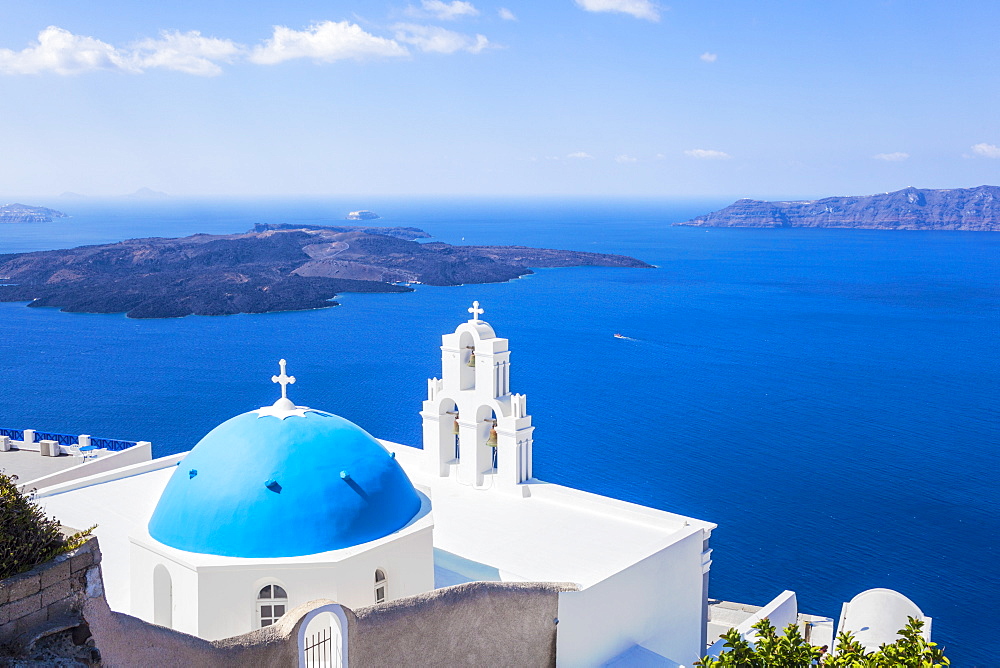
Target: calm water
x,y
829,398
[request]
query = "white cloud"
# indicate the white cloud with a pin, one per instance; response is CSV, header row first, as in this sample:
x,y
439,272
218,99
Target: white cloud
x,y
60,51
433,39
897,156
707,154
640,9
625,159
581,155
987,150
506,14
446,11
709,57
186,52
327,41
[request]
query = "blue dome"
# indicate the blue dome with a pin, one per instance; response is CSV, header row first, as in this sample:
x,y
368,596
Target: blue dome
x,y
265,486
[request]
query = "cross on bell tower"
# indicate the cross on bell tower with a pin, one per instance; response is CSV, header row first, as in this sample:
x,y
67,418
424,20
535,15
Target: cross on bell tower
x,y
476,312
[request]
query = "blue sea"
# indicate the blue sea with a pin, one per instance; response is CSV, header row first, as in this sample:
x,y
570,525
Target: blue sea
x,y
827,397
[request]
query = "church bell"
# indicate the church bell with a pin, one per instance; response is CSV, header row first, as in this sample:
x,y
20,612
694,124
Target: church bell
x,y
492,440
472,359
455,430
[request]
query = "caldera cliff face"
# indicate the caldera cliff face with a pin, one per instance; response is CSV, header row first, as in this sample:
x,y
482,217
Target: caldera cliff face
x,y
970,209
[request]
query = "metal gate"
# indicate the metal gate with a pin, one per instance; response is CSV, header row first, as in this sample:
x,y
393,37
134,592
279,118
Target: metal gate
x,y
323,649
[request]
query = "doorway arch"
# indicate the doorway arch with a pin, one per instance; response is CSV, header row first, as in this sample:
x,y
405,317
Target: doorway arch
x,y
323,638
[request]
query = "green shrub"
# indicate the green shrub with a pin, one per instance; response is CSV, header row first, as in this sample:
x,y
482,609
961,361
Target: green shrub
x,y
791,651
27,537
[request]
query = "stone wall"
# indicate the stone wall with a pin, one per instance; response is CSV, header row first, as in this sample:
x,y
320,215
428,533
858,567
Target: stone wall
x,y
472,624
48,598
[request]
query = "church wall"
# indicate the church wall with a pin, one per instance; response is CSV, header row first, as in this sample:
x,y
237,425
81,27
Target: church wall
x,y
656,603
408,563
184,588
227,595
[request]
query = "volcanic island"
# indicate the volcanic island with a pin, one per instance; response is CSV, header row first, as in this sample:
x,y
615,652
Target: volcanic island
x,y
273,267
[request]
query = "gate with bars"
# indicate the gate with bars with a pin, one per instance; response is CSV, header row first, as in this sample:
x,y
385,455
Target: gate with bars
x,y
322,643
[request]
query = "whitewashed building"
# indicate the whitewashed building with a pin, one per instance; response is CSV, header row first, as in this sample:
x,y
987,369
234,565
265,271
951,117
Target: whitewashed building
x,y
286,504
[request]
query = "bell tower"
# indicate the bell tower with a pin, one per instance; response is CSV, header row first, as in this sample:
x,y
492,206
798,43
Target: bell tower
x,y
475,430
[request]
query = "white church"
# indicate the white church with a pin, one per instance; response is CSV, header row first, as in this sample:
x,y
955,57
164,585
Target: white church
x,y
287,504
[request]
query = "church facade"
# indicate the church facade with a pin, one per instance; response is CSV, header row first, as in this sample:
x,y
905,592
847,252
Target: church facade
x,y
287,504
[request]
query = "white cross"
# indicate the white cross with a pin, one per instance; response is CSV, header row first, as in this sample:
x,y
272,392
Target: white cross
x,y
284,379
476,312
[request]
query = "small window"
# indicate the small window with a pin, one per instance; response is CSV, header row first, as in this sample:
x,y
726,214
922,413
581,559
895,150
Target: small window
x,y
272,601
381,586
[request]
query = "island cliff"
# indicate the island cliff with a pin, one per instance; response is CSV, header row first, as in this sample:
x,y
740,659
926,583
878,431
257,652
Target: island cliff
x,y
22,213
971,209
267,269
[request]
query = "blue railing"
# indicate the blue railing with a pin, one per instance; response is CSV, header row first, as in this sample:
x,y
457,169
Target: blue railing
x,y
112,443
61,439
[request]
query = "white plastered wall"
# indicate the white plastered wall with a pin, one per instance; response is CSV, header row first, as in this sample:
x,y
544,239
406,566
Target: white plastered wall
x,y
656,603
220,600
184,588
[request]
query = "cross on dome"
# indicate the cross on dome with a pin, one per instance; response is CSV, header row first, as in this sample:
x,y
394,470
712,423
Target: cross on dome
x,y
476,312
284,379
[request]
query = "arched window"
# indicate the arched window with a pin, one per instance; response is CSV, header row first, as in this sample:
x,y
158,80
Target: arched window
x,y
381,586
272,601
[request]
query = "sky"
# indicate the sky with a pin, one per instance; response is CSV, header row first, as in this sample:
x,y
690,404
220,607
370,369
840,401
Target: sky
x,y
580,98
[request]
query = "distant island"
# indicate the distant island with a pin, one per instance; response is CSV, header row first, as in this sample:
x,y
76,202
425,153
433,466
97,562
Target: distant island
x,y
970,209
270,268
147,194
22,213
362,215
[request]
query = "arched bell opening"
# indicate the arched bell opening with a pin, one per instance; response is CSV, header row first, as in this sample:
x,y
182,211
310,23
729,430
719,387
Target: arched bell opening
x,y
486,434
467,361
448,430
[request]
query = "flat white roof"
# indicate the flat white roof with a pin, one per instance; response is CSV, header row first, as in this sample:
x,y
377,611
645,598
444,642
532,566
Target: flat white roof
x,y
556,534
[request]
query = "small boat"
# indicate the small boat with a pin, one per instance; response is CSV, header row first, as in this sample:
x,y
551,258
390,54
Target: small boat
x,y
620,336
